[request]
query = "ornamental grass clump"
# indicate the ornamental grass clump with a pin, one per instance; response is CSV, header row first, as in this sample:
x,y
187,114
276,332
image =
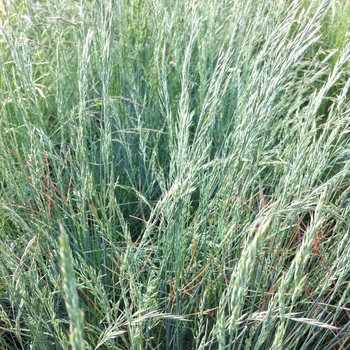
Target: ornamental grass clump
x,y
174,175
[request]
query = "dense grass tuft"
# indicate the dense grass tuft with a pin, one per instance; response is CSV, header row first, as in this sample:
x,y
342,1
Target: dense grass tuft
x,y
174,174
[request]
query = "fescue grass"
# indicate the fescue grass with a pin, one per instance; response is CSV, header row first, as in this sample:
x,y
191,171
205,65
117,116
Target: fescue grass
x,y
176,173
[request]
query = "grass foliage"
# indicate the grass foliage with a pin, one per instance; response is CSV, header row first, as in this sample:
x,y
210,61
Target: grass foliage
x,y
176,173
